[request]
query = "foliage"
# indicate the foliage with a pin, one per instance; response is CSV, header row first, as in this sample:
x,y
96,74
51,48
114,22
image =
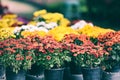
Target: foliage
x,y
105,8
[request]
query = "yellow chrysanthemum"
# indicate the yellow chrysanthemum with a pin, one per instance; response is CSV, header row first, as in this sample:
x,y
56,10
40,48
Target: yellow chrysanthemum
x,y
28,33
55,16
9,20
41,33
52,17
59,16
3,23
6,33
59,32
32,23
93,31
38,13
47,16
9,16
19,23
64,22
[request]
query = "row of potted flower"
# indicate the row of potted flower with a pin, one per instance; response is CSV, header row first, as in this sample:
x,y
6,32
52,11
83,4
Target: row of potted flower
x,y
43,23
48,42
48,53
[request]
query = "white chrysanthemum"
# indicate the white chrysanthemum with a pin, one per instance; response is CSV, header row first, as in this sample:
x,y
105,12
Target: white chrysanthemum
x,y
51,25
43,29
80,24
24,27
91,24
40,24
17,30
30,27
47,26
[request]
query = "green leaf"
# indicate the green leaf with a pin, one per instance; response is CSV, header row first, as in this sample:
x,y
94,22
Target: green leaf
x,y
117,58
68,59
66,52
113,57
78,42
51,65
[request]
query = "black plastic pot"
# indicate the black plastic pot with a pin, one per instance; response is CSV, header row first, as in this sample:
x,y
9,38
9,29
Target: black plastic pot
x,y
76,77
75,69
33,77
67,73
111,76
54,74
10,75
2,72
36,70
35,73
116,68
91,73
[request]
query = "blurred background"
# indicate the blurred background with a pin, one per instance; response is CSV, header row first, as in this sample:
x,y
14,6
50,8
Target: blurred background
x,y
104,13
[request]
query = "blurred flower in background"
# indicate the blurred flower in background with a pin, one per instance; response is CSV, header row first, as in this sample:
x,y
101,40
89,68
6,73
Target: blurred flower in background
x,y
102,13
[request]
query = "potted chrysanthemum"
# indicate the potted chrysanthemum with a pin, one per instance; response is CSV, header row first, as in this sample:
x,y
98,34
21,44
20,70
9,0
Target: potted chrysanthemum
x,y
86,55
17,56
111,64
51,56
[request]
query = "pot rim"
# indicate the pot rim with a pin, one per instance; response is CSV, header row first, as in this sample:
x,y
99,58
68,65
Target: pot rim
x,y
91,67
55,69
111,72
